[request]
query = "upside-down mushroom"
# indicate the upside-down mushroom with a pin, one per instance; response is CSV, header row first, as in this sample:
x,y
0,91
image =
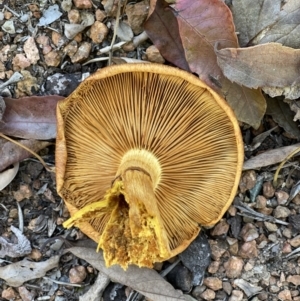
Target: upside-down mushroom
x,y
145,155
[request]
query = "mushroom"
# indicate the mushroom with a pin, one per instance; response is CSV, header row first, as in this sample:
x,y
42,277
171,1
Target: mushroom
x,y
146,154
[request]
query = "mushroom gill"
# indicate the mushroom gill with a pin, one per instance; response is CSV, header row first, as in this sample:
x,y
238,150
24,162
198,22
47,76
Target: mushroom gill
x,y
145,155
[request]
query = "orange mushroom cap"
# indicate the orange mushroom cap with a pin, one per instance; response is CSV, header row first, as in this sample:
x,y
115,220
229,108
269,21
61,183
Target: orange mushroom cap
x,y
145,155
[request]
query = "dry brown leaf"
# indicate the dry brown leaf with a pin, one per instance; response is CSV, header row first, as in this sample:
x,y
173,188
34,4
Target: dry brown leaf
x,y
270,157
15,274
13,250
31,117
271,66
282,115
146,281
11,153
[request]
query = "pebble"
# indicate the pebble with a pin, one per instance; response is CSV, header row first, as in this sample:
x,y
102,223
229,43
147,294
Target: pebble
x,y
213,283
82,53
181,278
285,295
218,248
261,202
232,210
137,14
247,181
287,233
77,274
236,296
20,62
271,227
282,197
35,254
248,250
25,294
295,242
266,211
249,232
295,279
263,296
74,16
198,290
227,287
296,199
208,294
274,289
31,50
213,267
24,192
71,48
281,212
44,43
220,229
53,58
98,32
9,294
100,15
233,245
234,267
83,4
154,55
248,267
268,190
13,213
286,248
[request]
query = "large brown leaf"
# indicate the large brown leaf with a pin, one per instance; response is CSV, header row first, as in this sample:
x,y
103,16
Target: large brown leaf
x,y
31,117
271,66
201,26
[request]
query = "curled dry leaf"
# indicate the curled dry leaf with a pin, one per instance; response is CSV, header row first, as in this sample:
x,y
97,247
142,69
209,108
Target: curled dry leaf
x,y
196,28
19,249
146,281
270,157
31,117
271,66
11,153
17,273
8,175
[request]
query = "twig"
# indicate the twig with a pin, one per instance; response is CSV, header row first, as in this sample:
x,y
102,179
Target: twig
x,y
142,37
63,283
115,32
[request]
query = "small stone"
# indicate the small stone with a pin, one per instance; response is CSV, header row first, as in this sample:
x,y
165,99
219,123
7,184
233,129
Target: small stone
x,y
181,278
24,192
213,267
98,32
20,62
100,15
248,250
295,293
261,202
285,295
35,254
58,39
218,248
273,237
232,210
13,213
249,232
227,287
9,27
266,211
233,245
295,279
44,43
220,229
281,212
271,227
74,16
295,242
247,181
198,290
31,51
82,53
248,267
66,5
268,190
77,274
274,289
137,14
236,296
25,294
154,55
282,197
9,294
263,296
287,233
208,294
83,4
286,248
53,58
213,283
71,48
7,15
234,267
296,199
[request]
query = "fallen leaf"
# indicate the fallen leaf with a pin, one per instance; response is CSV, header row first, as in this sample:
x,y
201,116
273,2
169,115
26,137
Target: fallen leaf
x,y
8,175
17,273
270,157
11,153
161,19
249,289
196,28
282,115
13,250
50,15
271,66
146,281
252,18
30,117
